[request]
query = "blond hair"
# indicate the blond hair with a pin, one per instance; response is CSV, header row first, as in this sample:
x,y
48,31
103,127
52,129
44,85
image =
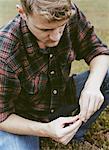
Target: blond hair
x,y
51,9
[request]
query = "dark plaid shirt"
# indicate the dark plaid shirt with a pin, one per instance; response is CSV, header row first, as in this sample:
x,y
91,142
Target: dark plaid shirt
x,y
33,80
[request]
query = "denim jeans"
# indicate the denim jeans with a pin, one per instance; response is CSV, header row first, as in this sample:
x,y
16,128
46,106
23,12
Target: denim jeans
x,y
10,141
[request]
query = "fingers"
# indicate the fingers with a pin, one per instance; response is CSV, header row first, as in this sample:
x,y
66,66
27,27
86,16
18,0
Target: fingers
x,y
84,105
68,120
90,110
89,105
66,139
94,105
57,128
69,132
100,102
72,127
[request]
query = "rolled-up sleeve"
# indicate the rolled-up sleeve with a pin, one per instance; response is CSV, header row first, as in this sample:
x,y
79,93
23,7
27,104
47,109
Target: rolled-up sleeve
x,y
9,89
89,45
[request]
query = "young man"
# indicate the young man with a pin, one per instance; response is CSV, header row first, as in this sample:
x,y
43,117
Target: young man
x,y
37,96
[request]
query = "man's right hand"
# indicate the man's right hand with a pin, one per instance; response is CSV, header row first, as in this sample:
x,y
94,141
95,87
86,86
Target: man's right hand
x,y
63,129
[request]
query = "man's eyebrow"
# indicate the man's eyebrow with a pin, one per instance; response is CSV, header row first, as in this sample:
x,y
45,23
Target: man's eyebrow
x,y
48,29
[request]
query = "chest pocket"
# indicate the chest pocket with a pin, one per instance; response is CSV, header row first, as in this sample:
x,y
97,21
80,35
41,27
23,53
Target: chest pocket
x,y
36,85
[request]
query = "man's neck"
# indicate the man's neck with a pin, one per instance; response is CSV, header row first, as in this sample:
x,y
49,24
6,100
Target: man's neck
x,y
41,45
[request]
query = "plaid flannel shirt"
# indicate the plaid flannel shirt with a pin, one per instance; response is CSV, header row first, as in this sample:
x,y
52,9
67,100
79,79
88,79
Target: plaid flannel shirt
x,y
33,80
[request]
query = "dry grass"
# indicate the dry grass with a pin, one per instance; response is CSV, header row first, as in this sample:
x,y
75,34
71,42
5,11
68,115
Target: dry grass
x,y
98,12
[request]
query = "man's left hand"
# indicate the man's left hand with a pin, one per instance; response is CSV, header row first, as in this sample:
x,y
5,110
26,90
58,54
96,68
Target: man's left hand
x,y
90,101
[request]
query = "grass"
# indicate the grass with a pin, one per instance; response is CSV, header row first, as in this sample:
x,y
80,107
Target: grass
x,y
97,12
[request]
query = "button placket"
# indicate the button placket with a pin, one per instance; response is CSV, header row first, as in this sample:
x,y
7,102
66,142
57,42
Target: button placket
x,y
53,76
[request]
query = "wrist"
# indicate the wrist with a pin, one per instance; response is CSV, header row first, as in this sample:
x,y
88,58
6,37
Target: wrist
x,y
92,85
40,129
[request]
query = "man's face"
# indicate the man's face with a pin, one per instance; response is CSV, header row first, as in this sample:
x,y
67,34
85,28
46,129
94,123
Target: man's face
x,y
47,33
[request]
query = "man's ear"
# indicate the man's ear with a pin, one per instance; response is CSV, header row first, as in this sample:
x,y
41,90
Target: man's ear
x,y
21,12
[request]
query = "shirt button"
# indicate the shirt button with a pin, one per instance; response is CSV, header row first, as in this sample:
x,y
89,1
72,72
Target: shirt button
x,y
52,72
51,55
52,110
55,92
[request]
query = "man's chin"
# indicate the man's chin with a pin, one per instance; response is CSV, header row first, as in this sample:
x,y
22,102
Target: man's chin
x,y
52,44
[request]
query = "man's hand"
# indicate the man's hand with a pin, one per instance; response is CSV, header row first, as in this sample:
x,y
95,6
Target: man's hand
x,y
90,101
63,129
91,97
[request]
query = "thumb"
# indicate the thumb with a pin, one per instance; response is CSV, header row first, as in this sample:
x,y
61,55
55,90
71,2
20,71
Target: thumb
x,y
68,120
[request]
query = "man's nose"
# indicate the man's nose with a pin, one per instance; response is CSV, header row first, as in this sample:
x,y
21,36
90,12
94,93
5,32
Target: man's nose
x,y
55,35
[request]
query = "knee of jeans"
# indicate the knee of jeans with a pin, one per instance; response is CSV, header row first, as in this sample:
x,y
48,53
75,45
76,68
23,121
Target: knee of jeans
x,y
108,75
107,79
105,88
